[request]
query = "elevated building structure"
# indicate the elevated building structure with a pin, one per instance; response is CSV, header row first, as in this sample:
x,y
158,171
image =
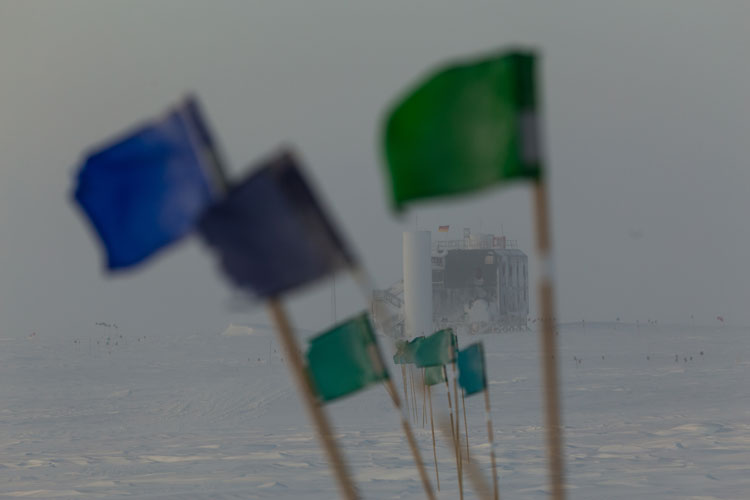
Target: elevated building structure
x,y
479,285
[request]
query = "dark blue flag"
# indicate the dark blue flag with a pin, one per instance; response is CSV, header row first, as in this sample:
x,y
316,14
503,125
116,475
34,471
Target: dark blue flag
x,y
271,234
148,189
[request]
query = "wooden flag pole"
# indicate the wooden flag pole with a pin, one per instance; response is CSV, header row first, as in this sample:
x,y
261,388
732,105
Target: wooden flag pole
x,y
415,406
410,438
466,425
406,388
490,436
458,433
413,395
475,475
424,397
450,407
320,421
434,449
549,344
453,434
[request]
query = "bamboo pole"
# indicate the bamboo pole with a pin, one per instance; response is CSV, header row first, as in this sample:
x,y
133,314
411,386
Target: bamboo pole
x,y
490,436
318,416
458,433
424,398
456,453
406,387
450,406
413,395
466,425
475,475
412,442
434,449
549,345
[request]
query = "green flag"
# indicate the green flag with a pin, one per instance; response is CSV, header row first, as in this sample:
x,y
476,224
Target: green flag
x,y
471,373
466,127
433,375
438,349
345,359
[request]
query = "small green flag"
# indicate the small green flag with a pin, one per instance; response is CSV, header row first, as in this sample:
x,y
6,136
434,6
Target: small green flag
x,y
466,127
345,359
433,375
438,349
471,373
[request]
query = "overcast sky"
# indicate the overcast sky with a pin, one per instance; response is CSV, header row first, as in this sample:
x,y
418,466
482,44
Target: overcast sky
x,y
647,127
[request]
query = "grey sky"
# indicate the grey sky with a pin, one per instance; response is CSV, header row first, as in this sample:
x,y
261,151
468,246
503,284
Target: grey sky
x,y
647,138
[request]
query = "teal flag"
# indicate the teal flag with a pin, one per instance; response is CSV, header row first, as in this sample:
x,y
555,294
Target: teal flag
x,y
438,349
472,375
345,359
434,375
465,127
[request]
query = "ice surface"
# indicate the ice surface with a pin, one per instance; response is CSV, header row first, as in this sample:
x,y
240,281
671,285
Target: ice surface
x,y
210,417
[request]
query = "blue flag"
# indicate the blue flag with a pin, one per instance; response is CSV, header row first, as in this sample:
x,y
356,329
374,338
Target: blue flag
x,y
472,375
271,234
148,189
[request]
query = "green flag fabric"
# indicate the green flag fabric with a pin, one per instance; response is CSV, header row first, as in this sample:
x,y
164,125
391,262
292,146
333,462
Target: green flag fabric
x,y
438,349
345,359
471,372
466,127
433,375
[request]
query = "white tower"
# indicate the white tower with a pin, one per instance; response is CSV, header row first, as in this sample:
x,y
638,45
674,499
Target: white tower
x,y
417,272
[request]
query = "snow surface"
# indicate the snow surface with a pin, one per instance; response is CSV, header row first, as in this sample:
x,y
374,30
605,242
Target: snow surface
x,y
210,417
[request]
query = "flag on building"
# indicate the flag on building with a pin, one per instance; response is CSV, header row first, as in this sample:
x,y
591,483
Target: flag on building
x,y
466,127
270,232
147,189
472,376
443,229
345,359
438,349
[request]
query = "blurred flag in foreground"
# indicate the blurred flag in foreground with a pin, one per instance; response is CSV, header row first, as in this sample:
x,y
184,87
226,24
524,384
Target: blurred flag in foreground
x,y
466,127
471,371
147,189
271,234
433,375
345,359
438,349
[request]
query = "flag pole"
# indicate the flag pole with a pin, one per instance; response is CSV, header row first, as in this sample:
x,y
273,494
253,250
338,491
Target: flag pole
x,y
414,396
475,475
549,345
453,434
466,425
490,436
459,455
432,426
406,387
318,416
424,397
410,438
450,407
